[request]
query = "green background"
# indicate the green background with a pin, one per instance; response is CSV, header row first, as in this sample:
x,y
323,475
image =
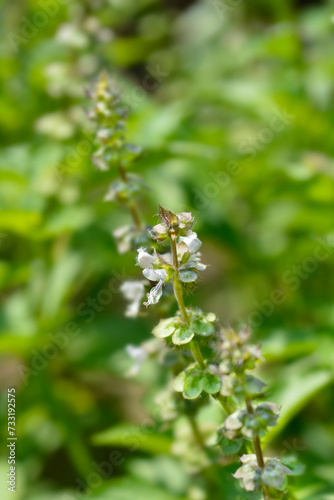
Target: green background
x,y
206,81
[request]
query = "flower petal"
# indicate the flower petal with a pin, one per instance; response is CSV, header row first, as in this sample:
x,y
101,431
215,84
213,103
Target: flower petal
x,y
133,291
192,242
145,260
155,274
154,295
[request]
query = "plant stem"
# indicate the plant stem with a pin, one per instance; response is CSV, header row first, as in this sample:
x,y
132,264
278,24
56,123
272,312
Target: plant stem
x,y
135,215
176,281
179,298
195,349
197,434
257,449
225,405
200,360
133,208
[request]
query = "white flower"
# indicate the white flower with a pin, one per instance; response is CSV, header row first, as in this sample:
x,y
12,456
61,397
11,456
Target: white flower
x,y
192,242
124,236
70,35
195,262
139,355
103,134
154,295
145,260
155,274
133,291
102,108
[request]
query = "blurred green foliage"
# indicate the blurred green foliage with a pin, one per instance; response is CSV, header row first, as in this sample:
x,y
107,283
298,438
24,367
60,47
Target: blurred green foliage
x,y
232,102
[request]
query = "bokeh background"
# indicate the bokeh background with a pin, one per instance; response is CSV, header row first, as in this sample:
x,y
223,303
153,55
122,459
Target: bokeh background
x,y
232,103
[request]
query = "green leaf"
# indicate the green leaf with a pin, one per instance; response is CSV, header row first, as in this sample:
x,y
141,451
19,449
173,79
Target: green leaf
x,y
164,328
211,317
178,382
211,383
187,276
67,220
59,282
230,446
274,474
300,388
274,478
134,438
254,385
203,328
295,466
192,386
21,222
128,488
182,335
162,470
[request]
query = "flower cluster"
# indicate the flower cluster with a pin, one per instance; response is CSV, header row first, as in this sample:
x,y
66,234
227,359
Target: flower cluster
x,y
183,221
161,268
250,424
206,359
253,477
221,361
114,152
109,115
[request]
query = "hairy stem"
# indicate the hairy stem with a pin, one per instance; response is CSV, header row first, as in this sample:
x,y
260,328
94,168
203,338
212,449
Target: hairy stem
x,y
176,281
257,449
195,349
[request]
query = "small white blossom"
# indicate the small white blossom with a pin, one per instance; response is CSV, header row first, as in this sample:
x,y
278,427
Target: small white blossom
x,y
103,134
69,34
155,274
133,291
192,242
145,260
152,272
124,236
102,108
154,295
98,160
139,355
195,262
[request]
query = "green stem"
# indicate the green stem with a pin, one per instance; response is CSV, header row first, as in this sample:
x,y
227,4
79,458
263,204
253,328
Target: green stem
x,y
197,434
223,401
257,449
135,215
179,298
176,281
195,349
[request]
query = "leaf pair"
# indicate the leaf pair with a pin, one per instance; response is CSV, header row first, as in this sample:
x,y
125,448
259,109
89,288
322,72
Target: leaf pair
x,y
192,384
